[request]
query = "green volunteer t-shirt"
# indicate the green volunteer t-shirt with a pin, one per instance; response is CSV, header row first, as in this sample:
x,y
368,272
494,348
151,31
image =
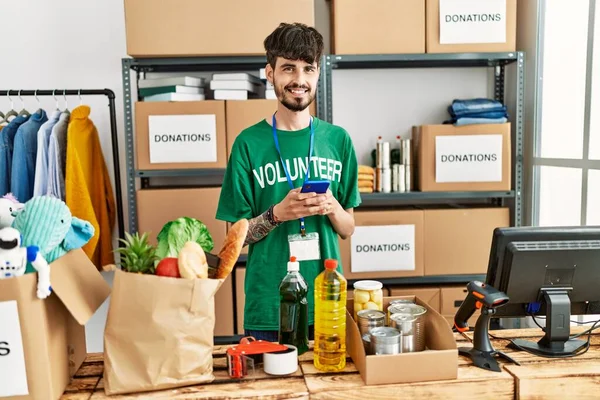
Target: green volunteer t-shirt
x,y
255,180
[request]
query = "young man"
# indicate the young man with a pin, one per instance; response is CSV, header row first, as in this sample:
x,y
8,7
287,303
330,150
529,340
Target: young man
x,y
268,165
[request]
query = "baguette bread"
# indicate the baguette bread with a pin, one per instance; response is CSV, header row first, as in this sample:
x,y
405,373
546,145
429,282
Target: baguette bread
x,y
232,247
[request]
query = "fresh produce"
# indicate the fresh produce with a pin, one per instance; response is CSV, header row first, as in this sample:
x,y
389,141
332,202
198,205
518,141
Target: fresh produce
x,y
192,261
174,235
168,267
137,255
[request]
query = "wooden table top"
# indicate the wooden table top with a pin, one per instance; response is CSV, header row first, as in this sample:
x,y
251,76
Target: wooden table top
x,y
536,377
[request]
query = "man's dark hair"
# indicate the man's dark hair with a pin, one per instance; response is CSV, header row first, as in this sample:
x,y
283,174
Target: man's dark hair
x,y
295,41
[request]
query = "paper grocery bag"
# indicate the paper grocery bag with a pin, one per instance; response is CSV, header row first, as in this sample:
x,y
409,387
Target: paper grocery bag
x,y
159,333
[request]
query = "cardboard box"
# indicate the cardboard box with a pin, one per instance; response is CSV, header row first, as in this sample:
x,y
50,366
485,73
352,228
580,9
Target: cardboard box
x,y
451,299
430,295
241,114
393,250
471,157
438,362
51,346
458,241
156,207
240,294
183,135
463,43
380,27
207,27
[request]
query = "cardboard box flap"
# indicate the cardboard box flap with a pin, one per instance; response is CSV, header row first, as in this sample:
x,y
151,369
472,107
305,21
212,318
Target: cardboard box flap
x,y
78,284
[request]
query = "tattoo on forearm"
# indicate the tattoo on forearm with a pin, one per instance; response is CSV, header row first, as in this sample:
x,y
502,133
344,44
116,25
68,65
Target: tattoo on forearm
x,y
258,228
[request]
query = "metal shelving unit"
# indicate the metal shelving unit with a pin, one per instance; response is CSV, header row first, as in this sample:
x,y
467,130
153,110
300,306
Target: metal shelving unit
x,y
497,61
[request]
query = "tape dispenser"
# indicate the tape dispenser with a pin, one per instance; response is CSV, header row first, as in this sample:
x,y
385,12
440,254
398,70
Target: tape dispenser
x,y
241,358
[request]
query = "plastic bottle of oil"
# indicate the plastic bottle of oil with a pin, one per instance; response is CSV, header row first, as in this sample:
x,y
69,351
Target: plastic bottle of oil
x,y
330,319
293,308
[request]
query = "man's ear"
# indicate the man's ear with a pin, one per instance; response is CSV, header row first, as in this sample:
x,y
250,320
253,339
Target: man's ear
x,y
269,72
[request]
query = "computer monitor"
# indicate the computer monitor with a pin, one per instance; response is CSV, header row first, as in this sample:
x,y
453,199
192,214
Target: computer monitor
x,y
552,271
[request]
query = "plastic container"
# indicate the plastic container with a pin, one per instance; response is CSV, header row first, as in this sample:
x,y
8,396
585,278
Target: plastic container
x,y
330,319
293,308
368,295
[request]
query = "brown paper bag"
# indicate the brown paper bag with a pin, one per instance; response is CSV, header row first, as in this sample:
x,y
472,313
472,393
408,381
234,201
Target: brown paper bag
x,y
159,333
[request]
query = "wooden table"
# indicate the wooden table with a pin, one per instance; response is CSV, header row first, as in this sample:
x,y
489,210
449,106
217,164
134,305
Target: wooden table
x,y
537,377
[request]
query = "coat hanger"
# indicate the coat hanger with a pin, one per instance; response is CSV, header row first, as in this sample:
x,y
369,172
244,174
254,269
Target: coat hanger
x,y
39,110
66,103
23,112
12,112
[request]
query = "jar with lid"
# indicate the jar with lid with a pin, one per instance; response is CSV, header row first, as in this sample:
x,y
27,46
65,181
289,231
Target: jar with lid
x,y
368,295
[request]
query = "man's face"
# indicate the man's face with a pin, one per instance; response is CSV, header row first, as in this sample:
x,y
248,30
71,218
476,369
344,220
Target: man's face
x,y
295,82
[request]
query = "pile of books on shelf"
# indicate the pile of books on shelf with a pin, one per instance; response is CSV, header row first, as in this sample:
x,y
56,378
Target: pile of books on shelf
x,y
178,88
237,86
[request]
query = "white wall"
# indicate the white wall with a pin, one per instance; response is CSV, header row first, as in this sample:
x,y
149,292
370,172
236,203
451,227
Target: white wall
x,y
63,45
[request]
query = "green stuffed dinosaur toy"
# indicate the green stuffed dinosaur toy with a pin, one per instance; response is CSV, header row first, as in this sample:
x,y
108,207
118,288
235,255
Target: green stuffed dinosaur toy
x,y
46,222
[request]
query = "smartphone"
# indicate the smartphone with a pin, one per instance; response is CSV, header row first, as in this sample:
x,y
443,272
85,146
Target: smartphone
x,y
319,187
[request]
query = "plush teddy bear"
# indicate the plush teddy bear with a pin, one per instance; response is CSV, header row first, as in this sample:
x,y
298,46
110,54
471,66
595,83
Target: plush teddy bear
x,y
47,222
8,206
14,259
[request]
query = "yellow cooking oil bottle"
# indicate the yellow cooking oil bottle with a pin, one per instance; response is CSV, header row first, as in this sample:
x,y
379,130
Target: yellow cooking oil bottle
x,y
330,319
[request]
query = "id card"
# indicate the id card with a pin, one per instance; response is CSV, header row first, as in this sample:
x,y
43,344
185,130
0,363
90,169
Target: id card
x,y
305,248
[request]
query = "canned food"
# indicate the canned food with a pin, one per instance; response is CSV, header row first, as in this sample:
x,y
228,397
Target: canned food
x,y
386,340
367,343
393,303
368,295
368,319
412,319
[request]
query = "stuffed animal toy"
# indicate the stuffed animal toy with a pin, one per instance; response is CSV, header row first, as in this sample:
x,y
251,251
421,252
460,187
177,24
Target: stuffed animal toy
x,y
46,222
14,259
8,206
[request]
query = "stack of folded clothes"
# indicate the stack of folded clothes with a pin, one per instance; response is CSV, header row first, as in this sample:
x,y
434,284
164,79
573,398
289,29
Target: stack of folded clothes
x,y
477,111
366,177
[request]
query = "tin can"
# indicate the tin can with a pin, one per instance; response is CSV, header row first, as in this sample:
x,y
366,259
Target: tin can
x,y
369,319
407,325
378,180
395,302
402,178
416,311
396,178
367,343
408,178
406,152
386,340
386,177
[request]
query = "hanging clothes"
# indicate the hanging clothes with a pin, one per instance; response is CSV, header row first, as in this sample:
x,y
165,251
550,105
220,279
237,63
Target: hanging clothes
x,y
6,151
24,156
57,156
88,189
40,185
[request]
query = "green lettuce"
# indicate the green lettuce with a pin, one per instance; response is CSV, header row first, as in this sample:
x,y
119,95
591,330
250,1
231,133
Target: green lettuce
x,y
176,233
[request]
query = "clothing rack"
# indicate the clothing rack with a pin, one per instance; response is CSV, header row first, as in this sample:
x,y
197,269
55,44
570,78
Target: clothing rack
x,y
113,131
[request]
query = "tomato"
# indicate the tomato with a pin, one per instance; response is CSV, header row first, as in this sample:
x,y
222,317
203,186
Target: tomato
x,y
168,267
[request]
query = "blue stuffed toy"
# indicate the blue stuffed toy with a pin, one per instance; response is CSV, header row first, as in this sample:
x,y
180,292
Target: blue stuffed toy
x,y
46,222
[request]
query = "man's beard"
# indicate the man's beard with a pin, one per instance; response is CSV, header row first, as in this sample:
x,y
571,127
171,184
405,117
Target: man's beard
x,y
291,103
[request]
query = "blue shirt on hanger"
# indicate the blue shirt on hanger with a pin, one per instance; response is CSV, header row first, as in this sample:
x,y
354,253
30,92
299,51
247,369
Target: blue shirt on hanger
x,y
22,175
7,137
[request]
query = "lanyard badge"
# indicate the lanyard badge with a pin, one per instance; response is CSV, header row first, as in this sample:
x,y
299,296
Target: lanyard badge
x,y
303,246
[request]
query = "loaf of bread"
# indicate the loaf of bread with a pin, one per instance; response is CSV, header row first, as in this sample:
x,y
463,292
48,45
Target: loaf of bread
x,y
366,177
191,261
232,247
365,169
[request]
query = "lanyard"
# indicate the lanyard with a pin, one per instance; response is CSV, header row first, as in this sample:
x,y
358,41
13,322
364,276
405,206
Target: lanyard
x,y
287,173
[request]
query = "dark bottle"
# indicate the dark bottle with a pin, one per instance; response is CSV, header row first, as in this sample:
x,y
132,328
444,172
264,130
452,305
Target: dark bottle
x,y
293,308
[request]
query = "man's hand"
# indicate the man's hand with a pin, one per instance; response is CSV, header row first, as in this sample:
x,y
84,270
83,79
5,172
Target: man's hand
x,y
299,205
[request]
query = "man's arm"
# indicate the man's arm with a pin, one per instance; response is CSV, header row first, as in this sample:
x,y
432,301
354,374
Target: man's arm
x,y
342,220
260,226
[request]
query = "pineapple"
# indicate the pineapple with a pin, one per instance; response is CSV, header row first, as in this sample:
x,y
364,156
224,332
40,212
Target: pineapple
x,y
138,256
